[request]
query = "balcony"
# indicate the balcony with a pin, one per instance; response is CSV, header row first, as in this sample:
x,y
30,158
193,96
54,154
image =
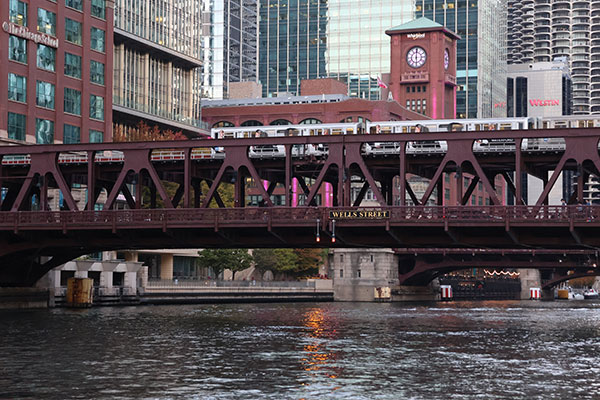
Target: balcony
x,y
135,111
158,51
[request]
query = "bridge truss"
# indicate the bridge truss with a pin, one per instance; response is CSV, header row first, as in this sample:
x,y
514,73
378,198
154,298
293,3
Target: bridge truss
x,y
172,188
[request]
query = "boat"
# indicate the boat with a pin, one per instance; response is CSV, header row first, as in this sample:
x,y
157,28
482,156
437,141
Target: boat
x,y
590,294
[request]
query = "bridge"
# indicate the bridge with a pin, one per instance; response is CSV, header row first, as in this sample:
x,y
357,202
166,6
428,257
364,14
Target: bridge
x,y
31,231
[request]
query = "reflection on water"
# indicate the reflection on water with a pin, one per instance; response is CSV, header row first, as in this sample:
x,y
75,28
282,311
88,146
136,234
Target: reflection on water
x,y
485,350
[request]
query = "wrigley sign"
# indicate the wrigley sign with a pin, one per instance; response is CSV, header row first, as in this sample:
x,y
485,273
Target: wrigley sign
x,y
25,33
375,214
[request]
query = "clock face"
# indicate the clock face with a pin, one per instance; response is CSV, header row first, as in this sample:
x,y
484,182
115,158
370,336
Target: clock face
x,y
446,59
416,57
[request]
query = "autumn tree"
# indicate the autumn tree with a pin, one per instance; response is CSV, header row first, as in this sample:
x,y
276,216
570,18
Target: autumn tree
x,y
143,132
221,259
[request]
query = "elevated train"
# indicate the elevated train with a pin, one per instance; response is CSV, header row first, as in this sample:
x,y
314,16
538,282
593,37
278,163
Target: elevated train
x,y
378,147
418,147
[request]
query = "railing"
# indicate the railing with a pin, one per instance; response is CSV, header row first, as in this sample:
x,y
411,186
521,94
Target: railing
x,y
195,283
295,216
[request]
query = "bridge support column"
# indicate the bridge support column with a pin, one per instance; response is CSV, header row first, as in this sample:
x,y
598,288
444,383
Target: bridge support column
x,y
548,294
166,266
530,278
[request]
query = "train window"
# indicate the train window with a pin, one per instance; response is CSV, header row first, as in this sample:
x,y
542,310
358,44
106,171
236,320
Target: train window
x,y
508,127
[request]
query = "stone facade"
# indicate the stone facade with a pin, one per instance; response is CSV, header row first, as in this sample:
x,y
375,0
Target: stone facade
x,y
357,273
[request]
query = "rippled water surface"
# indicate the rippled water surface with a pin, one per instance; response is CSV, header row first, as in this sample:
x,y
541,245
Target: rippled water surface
x,y
488,350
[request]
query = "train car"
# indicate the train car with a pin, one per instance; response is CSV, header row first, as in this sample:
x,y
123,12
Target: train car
x,y
263,151
445,125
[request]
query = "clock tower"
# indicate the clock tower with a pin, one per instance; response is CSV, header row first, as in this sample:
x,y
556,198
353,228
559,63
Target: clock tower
x,y
423,68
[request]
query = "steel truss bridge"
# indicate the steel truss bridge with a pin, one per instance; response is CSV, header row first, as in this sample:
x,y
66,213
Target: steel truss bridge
x,y
181,182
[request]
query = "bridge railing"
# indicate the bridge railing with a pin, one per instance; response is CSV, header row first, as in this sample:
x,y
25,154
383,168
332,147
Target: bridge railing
x,y
193,283
205,217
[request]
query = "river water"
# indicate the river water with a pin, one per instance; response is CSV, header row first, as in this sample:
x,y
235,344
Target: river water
x,y
461,350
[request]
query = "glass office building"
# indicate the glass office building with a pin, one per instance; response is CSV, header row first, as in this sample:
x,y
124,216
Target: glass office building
x,y
157,65
230,45
481,54
343,39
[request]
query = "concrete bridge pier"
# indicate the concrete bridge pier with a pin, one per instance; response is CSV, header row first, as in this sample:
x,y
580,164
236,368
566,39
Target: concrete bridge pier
x,y
548,294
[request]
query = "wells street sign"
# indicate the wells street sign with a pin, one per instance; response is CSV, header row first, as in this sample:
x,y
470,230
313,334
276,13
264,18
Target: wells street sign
x,y
359,214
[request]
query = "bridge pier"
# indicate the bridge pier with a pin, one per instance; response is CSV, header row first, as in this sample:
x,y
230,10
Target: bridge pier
x,y
548,294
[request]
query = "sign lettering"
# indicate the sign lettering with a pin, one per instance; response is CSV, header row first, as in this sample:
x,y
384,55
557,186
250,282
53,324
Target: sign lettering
x,y
415,36
356,214
544,103
25,33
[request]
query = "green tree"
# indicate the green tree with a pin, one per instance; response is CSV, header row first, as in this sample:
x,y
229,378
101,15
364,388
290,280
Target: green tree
x,y
221,259
276,260
297,262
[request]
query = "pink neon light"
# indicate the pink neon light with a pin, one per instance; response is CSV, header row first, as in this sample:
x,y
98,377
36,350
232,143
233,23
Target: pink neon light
x,y
328,194
434,105
294,192
454,111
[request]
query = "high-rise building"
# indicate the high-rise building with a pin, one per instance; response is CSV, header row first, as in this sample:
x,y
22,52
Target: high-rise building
x,y
56,70
230,45
157,65
481,53
542,31
342,39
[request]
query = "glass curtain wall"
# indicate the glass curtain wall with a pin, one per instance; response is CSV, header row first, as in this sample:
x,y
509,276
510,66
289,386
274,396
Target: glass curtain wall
x,y
481,54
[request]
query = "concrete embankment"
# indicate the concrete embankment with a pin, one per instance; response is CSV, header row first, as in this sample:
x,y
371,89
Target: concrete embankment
x,y
175,293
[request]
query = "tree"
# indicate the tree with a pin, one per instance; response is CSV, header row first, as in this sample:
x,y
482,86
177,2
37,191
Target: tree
x,y
276,260
309,261
145,133
221,259
297,262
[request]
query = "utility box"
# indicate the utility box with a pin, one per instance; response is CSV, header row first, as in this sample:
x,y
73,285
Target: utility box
x,y
80,292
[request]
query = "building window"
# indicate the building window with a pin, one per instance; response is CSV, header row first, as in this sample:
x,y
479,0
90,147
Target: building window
x,y
408,104
99,8
46,57
46,22
44,131
17,12
44,95
97,72
17,124
98,39
341,258
97,107
358,274
71,134
17,49
223,124
96,136
73,65
372,258
76,4
341,273
73,31
310,121
72,101
17,88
